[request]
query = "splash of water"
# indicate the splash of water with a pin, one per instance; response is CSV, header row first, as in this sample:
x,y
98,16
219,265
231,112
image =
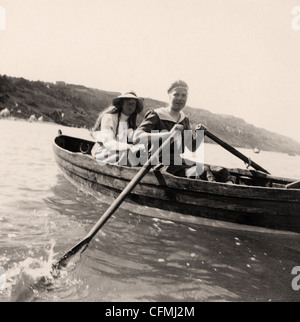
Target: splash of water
x,y
30,276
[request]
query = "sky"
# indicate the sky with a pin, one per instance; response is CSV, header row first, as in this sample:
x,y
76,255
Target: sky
x,y
239,57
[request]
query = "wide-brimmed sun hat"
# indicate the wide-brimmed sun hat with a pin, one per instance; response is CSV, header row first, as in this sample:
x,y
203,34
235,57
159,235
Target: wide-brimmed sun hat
x,y
130,95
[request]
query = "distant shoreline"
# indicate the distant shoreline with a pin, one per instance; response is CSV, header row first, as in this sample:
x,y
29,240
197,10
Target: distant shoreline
x,y
87,136
78,106
20,119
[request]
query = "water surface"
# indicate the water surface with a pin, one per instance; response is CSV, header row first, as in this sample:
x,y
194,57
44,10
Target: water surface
x,y
133,257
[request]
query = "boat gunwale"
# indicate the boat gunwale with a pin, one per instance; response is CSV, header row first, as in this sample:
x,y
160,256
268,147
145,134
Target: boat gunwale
x,y
184,183
276,206
182,196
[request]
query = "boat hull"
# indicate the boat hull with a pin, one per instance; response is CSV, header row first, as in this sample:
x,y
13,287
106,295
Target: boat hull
x,y
274,208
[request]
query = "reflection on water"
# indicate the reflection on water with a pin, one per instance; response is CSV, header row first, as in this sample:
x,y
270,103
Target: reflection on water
x,y
133,257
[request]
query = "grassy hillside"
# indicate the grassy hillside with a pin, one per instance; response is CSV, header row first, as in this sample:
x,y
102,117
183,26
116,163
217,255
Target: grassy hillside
x,y
79,106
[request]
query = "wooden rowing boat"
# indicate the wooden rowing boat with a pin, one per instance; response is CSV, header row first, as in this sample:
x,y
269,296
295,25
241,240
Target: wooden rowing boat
x,y
258,199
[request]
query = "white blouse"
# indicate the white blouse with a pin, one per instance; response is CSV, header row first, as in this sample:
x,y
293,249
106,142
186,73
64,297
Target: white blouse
x,y
108,134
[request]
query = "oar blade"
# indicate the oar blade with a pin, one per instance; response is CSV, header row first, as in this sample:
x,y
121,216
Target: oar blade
x,y
77,249
81,246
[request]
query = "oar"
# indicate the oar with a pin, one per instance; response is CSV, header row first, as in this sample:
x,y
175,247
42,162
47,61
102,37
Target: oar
x,y
231,149
109,212
293,185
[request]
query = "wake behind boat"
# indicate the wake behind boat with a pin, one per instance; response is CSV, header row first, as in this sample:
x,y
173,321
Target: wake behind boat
x,y
257,199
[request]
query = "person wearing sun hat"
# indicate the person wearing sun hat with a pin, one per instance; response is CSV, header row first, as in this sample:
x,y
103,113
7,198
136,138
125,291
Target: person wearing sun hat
x,y
114,128
117,101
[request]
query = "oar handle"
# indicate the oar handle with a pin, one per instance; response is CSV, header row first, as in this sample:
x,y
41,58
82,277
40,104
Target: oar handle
x,y
232,150
114,206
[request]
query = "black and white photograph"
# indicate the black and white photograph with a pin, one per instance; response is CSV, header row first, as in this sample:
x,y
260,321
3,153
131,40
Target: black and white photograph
x,y
149,153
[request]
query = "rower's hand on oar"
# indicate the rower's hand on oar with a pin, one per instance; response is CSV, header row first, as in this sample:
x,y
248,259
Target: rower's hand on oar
x,y
141,148
173,136
201,127
179,127
176,135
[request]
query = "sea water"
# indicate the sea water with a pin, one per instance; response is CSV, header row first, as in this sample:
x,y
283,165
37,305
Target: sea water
x,y
133,257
